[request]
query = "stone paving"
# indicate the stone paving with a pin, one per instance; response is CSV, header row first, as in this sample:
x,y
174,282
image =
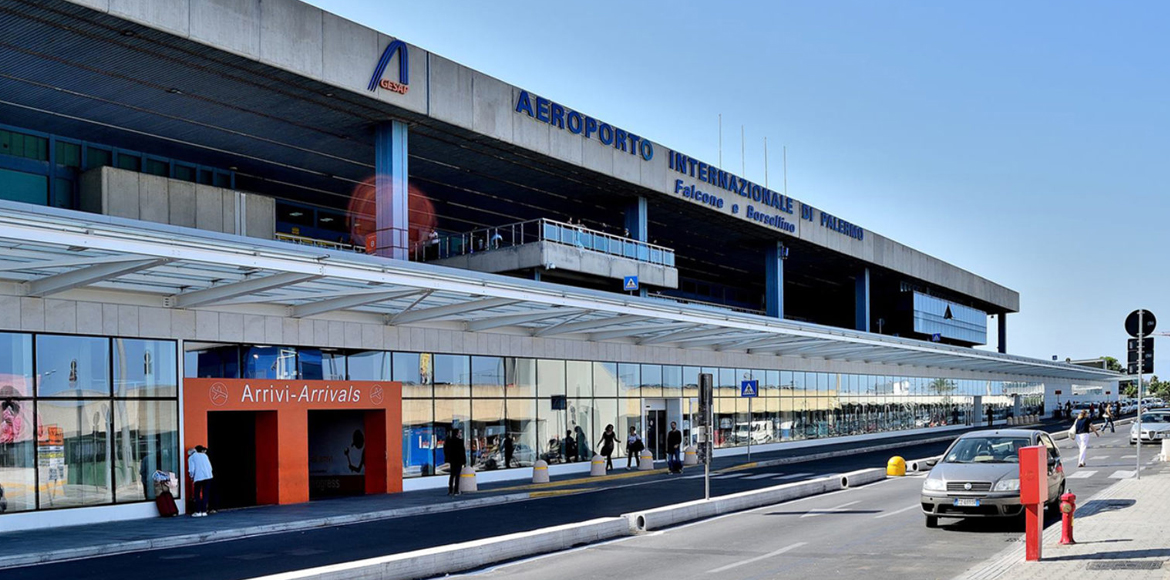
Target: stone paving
x,y
1122,533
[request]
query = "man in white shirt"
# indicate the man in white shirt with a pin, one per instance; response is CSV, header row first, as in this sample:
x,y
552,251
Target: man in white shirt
x,y
199,469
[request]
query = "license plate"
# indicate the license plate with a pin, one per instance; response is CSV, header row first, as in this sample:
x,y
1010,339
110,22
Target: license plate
x,y
966,502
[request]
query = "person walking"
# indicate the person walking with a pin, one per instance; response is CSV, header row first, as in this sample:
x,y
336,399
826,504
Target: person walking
x,y
1082,428
608,444
456,455
633,447
1107,413
673,448
199,469
582,444
509,449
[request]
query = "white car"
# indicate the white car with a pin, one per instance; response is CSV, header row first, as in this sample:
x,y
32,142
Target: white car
x,y
1155,427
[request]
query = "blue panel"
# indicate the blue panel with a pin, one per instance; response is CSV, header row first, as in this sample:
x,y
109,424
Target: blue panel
x,y
391,197
637,220
774,285
861,307
933,315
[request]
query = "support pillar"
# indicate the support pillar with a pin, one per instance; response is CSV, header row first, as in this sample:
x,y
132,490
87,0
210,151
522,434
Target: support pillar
x,y
1003,333
774,283
861,309
636,219
392,203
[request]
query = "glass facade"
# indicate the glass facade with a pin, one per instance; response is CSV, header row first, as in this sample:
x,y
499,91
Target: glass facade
x,y
542,403
85,421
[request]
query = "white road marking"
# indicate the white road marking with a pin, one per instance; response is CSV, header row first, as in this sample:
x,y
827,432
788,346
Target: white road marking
x,y
888,514
820,512
1102,457
726,476
793,476
1129,456
1121,475
761,475
1082,474
757,558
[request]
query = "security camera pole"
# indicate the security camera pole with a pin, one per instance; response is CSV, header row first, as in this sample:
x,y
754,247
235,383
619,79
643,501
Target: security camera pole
x,y
705,420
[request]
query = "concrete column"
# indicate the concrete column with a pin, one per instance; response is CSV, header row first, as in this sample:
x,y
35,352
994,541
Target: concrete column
x,y
861,309
636,219
774,283
1003,333
392,204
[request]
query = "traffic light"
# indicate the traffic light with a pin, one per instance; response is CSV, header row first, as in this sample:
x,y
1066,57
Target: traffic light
x,y
1147,362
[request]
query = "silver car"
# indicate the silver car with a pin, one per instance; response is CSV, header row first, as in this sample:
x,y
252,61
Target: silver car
x,y
1155,427
978,476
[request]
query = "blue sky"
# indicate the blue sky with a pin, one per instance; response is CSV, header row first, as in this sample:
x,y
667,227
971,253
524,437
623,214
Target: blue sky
x,y
1024,142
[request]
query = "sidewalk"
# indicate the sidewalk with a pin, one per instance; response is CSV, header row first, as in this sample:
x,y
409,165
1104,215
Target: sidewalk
x,y
56,544
1122,534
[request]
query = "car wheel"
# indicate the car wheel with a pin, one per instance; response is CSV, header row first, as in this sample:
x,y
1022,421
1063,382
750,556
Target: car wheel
x,y
932,521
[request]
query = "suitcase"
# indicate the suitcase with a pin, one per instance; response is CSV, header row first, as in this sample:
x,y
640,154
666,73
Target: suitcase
x,y
166,504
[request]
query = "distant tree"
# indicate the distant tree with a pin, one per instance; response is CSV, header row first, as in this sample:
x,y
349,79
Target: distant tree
x,y
1112,364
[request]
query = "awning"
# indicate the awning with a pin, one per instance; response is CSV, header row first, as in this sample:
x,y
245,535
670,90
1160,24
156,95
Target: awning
x,y
50,251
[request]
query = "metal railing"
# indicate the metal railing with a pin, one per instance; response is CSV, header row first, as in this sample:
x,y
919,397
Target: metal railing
x,y
441,246
304,241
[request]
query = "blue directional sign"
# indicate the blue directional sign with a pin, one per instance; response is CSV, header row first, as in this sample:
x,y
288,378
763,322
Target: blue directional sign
x,y
630,283
936,337
749,388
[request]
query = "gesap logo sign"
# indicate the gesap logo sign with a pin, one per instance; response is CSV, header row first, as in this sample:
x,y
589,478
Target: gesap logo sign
x,y
403,84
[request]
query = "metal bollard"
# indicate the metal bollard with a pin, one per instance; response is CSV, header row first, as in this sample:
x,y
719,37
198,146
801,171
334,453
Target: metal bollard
x,y
598,465
1068,508
1166,450
646,462
540,471
691,456
896,467
467,480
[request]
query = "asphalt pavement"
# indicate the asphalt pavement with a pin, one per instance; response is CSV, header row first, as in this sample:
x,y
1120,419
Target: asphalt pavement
x,y
877,531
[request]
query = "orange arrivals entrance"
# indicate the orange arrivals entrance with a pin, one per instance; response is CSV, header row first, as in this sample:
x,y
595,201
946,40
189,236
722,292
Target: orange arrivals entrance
x,y
281,442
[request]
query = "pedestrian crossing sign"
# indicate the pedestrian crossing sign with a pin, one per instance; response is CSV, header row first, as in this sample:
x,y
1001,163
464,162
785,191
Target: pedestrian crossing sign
x,y
749,388
630,283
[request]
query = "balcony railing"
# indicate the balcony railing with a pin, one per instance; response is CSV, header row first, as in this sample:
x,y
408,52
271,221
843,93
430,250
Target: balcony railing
x,y
442,246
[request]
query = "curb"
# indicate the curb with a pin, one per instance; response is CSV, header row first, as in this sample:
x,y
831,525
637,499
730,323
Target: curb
x,y
238,533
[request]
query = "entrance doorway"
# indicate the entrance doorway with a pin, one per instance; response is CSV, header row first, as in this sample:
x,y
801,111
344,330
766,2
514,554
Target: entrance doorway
x,y
231,447
656,427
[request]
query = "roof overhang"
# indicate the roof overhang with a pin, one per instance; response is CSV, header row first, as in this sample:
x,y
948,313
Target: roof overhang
x,y
49,251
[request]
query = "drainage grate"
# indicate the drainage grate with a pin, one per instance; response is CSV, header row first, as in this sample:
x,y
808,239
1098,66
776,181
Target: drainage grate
x,y
1124,565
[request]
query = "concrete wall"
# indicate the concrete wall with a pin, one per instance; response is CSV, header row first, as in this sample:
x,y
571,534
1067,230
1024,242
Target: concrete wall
x,y
305,40
129,194
561,257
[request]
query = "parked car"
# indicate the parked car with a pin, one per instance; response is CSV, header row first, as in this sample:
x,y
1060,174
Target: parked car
x,y
978,476
522,456
1155,427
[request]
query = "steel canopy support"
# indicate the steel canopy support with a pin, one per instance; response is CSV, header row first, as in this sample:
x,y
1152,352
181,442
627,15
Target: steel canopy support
x,y
623,332
57,283
351,301
684,334
391,191
513,319
227,291
571,327
450,309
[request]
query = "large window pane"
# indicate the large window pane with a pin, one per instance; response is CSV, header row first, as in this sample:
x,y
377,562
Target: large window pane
x,y
452,376
580,417
629,379
550,377
450,414
579,379
651,381
487,376
605,413
672,381
271,362
332,365
521,377
690,378
371,365
24,187
73,458
413,370
418,440
487,434
145,368
605,379
17,463
521,422
146,439
16,369
72,366
551,430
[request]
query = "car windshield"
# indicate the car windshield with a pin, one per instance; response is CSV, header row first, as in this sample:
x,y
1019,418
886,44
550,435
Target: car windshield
x,y
987,450
1155,418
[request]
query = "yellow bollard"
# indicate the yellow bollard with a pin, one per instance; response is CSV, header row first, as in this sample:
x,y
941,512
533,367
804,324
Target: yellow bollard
x,y
540,471
467,480
597,466
896,466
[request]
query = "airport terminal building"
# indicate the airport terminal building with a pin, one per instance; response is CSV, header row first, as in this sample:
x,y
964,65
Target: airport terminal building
x,y
318,249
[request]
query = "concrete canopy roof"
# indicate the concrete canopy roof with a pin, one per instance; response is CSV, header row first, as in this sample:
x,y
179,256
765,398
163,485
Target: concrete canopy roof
x,y
49,251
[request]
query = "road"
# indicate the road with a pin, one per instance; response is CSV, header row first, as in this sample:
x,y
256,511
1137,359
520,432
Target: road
x,y
269,554
876,530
